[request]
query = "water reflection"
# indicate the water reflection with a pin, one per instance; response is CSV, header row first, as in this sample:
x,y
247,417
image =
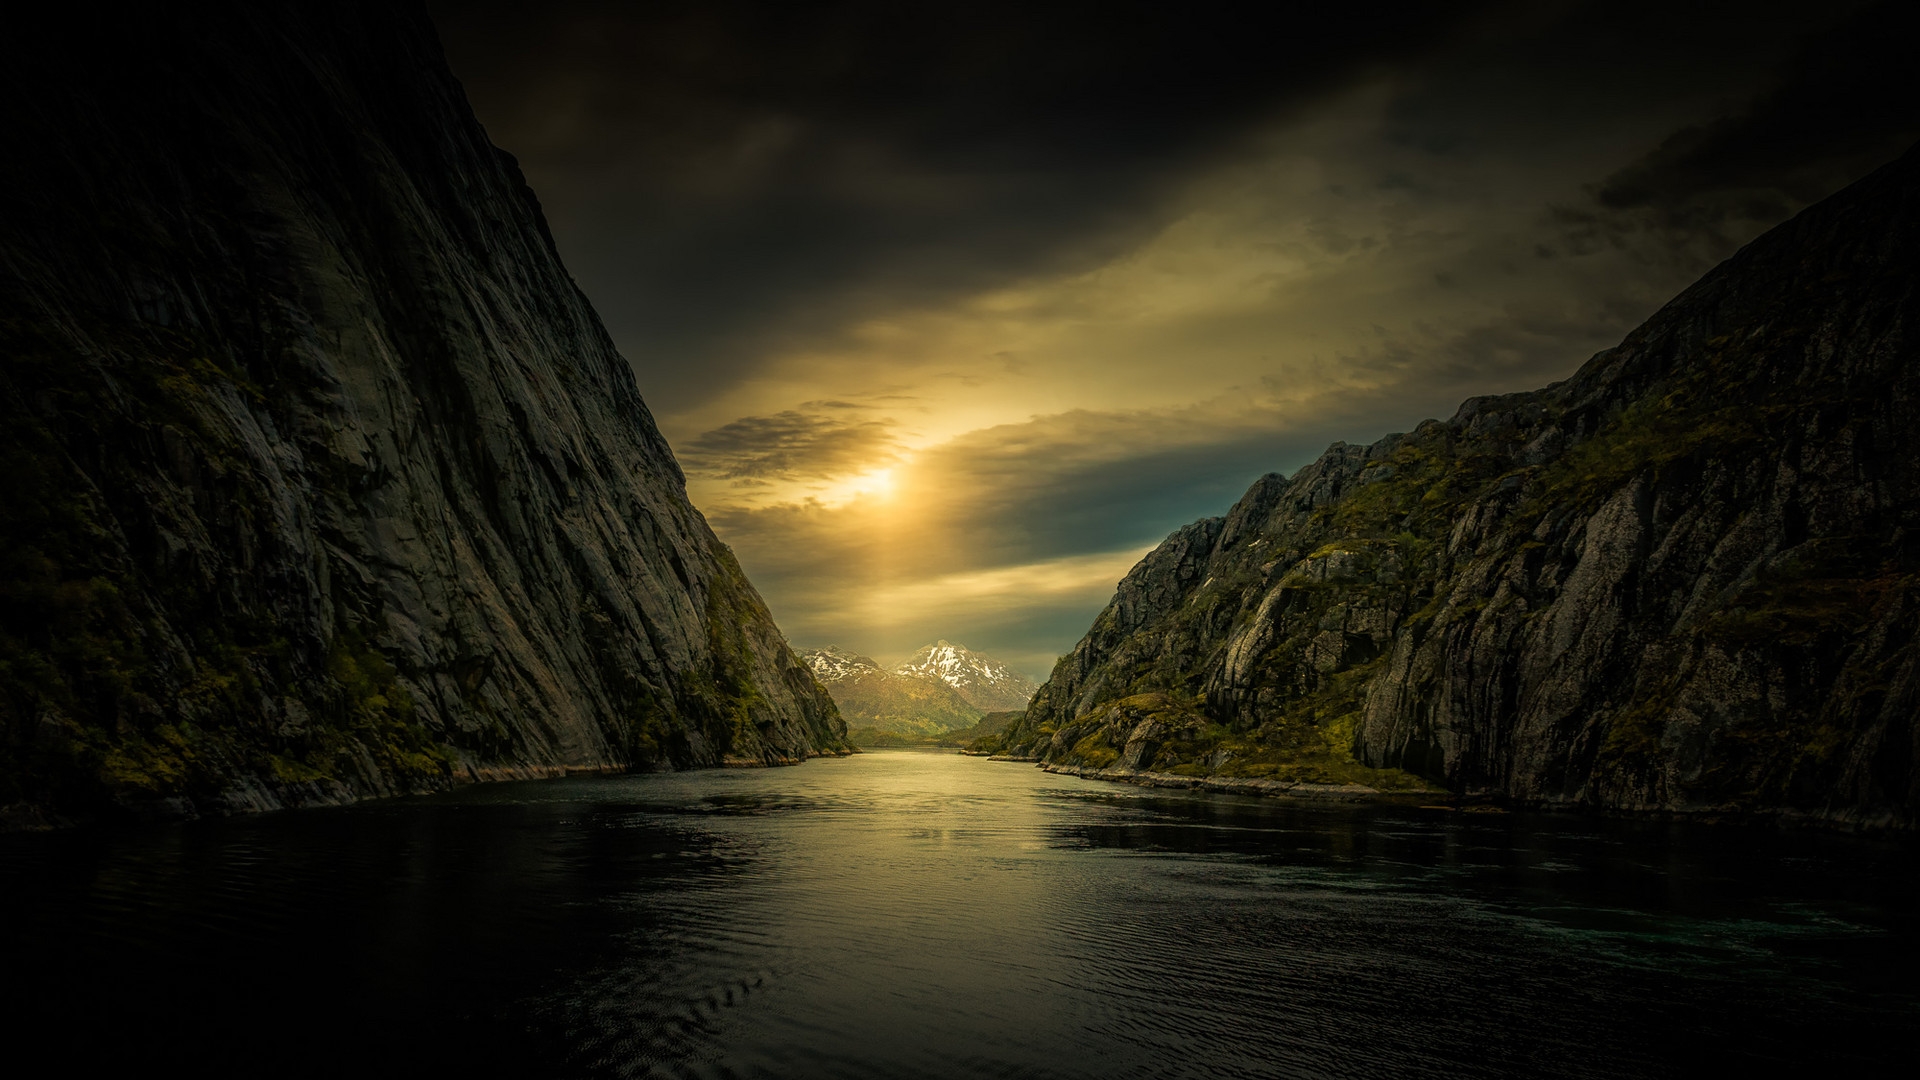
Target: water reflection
x,y
905,914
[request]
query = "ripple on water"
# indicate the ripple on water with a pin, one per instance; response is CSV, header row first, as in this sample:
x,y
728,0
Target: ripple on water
x,y
923,915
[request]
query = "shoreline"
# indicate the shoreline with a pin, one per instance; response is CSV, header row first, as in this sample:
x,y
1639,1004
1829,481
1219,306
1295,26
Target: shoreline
x,y
1484,802
1223,785
251,795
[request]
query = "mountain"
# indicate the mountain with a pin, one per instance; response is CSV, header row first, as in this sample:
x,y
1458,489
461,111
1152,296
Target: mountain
x,y
985,683
873,699
940,688
834,664
321,478
1684,579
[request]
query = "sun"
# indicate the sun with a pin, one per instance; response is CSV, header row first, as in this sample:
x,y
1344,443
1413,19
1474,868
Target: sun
x,y
875,484
878,482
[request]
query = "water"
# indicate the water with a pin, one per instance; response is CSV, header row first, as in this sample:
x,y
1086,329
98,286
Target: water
x,y
911,914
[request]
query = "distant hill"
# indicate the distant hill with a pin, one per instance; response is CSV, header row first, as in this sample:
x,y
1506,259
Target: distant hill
x,y
991,724
867,738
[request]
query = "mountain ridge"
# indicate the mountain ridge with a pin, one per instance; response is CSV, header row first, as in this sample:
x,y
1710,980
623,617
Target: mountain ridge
x,y
873,699
939,688
1682,579
986,683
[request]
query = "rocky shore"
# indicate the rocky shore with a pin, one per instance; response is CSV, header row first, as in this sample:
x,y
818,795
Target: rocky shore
x,y
1224,785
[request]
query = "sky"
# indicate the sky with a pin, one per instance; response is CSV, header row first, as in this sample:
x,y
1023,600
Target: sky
x,y
952,312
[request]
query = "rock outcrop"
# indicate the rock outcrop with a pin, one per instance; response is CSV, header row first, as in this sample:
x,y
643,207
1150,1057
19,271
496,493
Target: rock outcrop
x,y
320,478
1684,579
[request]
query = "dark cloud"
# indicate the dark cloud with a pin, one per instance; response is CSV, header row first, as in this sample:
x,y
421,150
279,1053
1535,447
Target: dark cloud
x,y
736,179
733,177
1848,101
792,445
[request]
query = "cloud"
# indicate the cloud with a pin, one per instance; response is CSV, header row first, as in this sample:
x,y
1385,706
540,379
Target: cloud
x,y
792,445
997,499
1848,100
736,178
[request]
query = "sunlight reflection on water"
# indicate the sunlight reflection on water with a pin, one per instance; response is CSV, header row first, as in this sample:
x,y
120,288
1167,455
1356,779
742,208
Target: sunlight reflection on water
x,y
916,914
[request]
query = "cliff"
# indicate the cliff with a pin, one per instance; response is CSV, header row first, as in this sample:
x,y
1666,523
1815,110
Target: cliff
x,y
319,478
1684,579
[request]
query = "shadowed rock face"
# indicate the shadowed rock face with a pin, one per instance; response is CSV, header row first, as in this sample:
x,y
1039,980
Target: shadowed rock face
x,y
1684,578
320,478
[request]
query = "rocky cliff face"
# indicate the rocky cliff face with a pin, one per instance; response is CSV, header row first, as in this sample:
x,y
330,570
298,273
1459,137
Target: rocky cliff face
x,y
320,479
1683,579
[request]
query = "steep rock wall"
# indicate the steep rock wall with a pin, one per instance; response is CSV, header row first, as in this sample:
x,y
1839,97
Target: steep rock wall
x,y
320,477
1684,579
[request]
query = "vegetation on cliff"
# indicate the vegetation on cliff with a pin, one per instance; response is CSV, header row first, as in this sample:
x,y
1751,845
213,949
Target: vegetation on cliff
x,y
318,477
1683,579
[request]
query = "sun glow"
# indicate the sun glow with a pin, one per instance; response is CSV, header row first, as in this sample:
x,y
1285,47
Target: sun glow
x,y
878,482
873,484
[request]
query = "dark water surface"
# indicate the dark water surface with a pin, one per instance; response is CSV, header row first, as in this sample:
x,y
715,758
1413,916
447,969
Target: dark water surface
x,y
910,914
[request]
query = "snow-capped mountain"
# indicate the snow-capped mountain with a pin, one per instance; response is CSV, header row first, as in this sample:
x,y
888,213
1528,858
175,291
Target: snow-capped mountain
x,y
985,683
870,696
941,687
834,664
